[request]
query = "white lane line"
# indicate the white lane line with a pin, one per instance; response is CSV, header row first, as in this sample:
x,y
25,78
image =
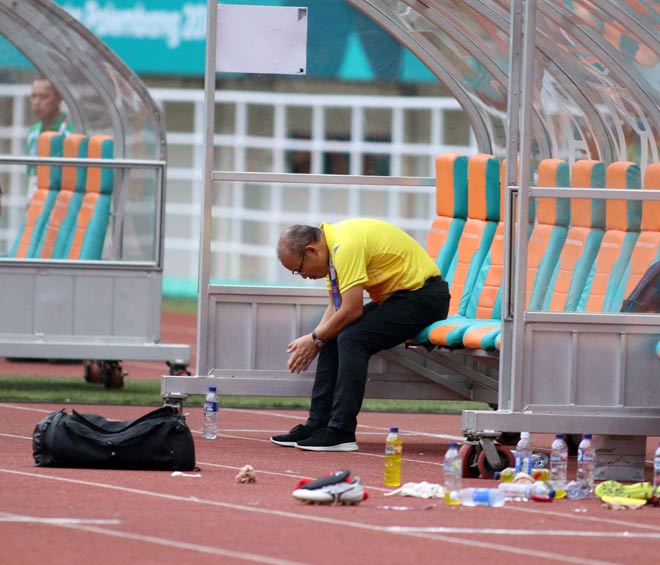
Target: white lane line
x,y
318,519
187,546
89,526
545,511
350,453
291,475
4,517
584,518
381,429
15,436
26,408
513,532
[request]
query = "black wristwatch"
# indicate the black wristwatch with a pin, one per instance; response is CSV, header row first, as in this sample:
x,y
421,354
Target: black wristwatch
x,y
317,340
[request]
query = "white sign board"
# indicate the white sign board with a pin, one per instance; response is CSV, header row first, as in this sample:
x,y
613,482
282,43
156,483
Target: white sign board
x,y
261,39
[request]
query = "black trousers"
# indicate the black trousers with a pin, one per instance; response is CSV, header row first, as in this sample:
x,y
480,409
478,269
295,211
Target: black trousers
x,y
341,371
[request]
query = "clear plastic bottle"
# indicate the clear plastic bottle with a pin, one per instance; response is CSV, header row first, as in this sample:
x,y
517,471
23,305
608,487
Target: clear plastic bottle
x,y
559,460
586,461
210,424
577,490
542,474
539,491
656,469
481,497
505,475
393,452
453,470
524,454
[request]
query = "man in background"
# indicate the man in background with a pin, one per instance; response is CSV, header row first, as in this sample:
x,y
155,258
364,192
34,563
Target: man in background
x,y
46,103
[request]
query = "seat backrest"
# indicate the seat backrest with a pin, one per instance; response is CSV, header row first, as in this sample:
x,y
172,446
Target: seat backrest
x,y
548,233
486,296
49,177
92,219
67,204
451,209
479,229
582,240
622,221
544,245
647,247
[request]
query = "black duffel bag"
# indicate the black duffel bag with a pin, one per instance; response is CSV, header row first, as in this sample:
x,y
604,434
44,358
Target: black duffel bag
x,y
159,440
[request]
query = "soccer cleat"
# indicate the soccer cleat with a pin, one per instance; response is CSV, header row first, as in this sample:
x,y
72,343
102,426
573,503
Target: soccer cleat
x,y
640,491
331,478
334,488
619,502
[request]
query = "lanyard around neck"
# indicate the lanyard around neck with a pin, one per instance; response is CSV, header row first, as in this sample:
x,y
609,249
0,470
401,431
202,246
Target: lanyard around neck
x,y
334,285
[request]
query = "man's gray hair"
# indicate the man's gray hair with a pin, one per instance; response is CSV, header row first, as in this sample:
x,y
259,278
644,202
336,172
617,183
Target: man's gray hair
x,y
295,238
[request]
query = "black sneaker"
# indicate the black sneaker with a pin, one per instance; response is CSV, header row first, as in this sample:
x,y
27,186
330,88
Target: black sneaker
x,y
329,439
297,433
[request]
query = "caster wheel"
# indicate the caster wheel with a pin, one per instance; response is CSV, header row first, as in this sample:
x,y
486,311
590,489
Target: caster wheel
x,y
178,369
112,374
486,469
469,457
92,372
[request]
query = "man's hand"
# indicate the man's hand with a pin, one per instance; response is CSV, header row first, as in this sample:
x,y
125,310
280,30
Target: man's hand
x,y
303,351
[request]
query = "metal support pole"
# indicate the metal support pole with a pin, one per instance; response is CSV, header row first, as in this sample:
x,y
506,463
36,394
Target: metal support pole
x,y
207,196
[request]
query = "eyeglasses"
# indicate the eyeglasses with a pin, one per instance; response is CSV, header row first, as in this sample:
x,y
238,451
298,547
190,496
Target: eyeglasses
x,y
300,268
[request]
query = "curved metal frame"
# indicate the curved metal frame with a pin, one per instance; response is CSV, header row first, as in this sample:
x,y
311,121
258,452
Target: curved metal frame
x,y
48,301
13,11
616,66
423,53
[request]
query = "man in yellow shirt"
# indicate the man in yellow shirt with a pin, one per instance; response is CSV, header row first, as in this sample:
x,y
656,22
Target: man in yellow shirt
x,y
407,294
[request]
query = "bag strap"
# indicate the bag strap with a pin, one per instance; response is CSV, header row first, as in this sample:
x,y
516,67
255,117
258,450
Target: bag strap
x,y
159,413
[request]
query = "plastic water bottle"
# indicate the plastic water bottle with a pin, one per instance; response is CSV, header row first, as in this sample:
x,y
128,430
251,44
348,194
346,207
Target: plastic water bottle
x,y
453,469
559,460
505,475
542,474
586,461
539,491
393,452
210,424
577,490
481,497
656,469
524,454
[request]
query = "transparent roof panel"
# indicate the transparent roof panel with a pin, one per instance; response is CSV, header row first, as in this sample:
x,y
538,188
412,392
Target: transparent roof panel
x,y
597,70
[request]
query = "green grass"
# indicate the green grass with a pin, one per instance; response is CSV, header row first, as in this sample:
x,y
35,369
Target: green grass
x,y
187,305
65,390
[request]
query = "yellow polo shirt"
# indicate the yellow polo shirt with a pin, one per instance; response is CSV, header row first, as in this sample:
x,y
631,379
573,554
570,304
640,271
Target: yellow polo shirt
x,y
378,255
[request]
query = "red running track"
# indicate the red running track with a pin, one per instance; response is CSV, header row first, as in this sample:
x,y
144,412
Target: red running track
x,y
78,516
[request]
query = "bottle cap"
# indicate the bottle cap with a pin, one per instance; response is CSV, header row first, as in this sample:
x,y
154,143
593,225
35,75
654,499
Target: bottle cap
x,y
497,475
587,436
394,430
212,389
524,434
453,444
559,436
